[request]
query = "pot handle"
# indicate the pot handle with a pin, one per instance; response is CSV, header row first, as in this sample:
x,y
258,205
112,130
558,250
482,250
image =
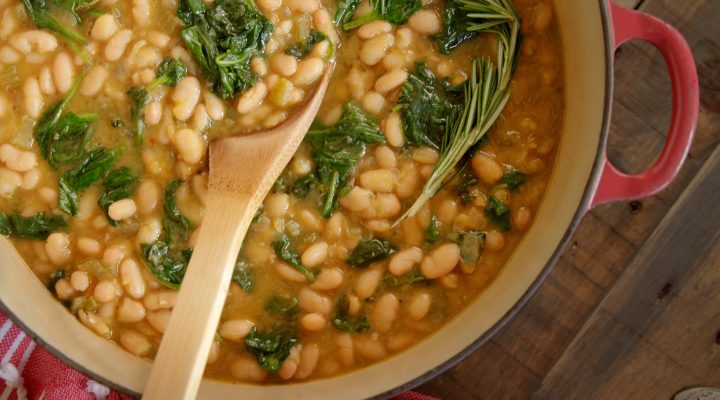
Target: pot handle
x,y
615,185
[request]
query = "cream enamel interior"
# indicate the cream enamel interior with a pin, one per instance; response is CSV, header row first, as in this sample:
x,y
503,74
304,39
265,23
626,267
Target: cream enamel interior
x,y
22,294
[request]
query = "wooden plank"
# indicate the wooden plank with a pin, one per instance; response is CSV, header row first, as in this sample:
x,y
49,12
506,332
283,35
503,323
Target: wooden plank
x,y
656,329
609,237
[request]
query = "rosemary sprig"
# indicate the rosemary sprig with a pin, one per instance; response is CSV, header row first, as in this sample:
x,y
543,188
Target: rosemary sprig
x,y
486,92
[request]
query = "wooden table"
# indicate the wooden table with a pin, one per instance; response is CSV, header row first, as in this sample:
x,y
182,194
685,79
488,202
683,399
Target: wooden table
x,y
632,310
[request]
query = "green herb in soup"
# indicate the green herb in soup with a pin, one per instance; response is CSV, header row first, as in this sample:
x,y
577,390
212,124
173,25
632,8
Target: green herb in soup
x,y
37,227
393,11
222,38
420,175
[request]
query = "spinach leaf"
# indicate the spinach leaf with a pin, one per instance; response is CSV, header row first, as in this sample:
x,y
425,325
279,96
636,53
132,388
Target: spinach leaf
x,y
455,27
498,212
342,319
369,251
432,234
74,181
270,348
164,258
69,138
37,227
302,49
223,37
426,104
344,10
338,148
243,275
283,307
169,73
513,180
411,277
393,11
286,251
118,184
167,268
62,138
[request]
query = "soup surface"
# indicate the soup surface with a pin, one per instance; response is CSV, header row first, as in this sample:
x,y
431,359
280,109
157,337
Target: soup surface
x,y
105,116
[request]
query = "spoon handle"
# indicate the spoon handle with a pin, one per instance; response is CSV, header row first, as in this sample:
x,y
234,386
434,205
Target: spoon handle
x,y
184,349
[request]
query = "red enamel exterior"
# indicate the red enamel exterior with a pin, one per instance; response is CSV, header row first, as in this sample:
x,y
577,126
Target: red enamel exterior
x,y
615,185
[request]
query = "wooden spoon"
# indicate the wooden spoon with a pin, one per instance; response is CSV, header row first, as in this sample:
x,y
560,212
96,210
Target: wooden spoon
x,y
242,171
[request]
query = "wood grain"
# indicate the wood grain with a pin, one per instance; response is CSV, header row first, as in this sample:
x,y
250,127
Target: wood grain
x,y
657,328
520,360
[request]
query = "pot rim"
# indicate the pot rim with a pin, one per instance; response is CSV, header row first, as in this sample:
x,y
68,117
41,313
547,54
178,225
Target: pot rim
x,y
580,212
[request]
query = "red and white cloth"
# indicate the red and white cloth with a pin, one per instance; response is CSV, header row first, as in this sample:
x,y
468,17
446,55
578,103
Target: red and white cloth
x,y
27,371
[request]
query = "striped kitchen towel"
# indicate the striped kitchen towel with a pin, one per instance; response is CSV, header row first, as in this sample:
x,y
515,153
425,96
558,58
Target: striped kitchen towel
x,y
27,371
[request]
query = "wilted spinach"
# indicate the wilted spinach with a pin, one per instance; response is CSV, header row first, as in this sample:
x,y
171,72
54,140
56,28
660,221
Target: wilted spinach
x,y
223,36
243,275
97,163
337,149
498,212
270,348
169,269
513,180
394,11
282,307
285,250
455,27
344,322
426,104
37,227
118,184
302,49
369,251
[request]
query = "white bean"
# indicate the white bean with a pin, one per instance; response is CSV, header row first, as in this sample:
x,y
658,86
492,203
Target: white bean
x,y
136,343
213,105
385,312
247,369
117,44
419,305
358,199
288,273
312,302
89,246
308,360
158,319
304,6
283,64
393,130
315,255
373,50
131,278
45,79
402,262
235,330
147,197
440,261
367,283
186,97
8,55
8,23
141,12
200,119
153,113
391,80
63,72
9,182
35,41
373,102
308,71
372,29
122,209
269,5
58,248
425,22
190,145
33,99
80,280
313,322
252,98
16,159
130,311
160,300
104,28
378,180
105,292
328,279
30,179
